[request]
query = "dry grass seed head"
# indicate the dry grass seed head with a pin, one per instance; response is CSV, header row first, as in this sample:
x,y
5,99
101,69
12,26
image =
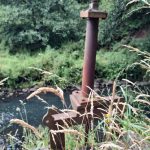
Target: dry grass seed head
x,y
110,145
26,125
2,81
58,92
66,131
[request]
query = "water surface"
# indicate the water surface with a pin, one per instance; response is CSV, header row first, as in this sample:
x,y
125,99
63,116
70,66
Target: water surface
x,y
31,111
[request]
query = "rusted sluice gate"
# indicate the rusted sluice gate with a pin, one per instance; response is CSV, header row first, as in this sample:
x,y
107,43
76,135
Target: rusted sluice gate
x,y
56,119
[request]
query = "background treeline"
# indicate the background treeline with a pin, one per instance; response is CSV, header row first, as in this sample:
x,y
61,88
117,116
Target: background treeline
x,y
49,35
33,25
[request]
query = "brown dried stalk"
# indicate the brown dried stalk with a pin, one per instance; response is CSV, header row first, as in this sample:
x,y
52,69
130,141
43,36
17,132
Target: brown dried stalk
x,y
75,132
132,1
70,110
2,81
135,1
43,72
146,54
110,145
58,92
112,100
142,101
41,99
26,125
128,81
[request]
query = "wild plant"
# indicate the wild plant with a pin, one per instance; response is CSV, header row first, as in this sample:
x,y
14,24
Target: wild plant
x,y
128,129
2,81
118,129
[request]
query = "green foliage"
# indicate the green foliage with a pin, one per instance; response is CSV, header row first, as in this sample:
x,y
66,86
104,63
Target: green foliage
x,y
50,25
115,64
32,25
141,43
123,21
114,20
65,67
31,142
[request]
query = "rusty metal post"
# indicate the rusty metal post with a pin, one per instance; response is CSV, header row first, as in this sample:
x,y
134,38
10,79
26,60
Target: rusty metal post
x,y
56,119
90,51
80,102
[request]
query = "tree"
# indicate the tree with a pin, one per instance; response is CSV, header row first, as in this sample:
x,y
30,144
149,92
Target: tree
x,y
35,24
123,21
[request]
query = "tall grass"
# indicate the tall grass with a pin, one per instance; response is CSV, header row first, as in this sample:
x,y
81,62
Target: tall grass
x,y
128,131
64,66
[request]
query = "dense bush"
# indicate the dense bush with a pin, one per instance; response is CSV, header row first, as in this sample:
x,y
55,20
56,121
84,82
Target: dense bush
x,y
117,64
64,65
32,25
50,25
141,43
122,22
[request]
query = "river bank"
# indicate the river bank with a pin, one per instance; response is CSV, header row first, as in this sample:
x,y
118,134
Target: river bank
x,y
13,103
10,99
99,86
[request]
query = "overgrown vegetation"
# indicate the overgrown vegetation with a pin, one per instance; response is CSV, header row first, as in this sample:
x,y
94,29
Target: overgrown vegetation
x,y
129,129
33,25
123,22
40,35
24,70
116,133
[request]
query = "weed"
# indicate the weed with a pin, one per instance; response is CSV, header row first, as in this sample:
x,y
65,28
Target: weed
x,y
130,130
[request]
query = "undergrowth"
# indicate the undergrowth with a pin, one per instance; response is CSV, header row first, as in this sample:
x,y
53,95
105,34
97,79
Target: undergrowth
x,y
23,69
121,129
127,130
65,66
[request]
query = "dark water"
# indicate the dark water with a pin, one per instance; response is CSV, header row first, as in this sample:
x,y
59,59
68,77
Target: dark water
x,y
32,111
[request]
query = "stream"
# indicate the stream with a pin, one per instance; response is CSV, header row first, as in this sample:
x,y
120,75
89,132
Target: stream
x,y
31,110
15,106
34,109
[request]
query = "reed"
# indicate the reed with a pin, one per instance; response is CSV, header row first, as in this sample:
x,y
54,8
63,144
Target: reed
x,y
26,125
58,92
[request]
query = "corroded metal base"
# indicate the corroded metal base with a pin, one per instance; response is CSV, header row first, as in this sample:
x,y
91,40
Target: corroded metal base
x,y
81,114
56,120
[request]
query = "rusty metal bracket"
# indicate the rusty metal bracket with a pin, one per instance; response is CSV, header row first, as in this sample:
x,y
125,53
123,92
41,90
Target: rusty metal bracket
x,y
80,103
93,14
55,119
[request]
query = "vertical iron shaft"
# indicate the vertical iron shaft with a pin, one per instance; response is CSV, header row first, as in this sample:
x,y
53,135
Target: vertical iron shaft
x,y
90,53
89,56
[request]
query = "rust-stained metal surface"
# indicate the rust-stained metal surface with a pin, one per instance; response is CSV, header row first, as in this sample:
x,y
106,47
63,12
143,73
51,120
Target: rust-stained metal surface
x,y
81,104
57,120
91,45
59,140
89,56
93,14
